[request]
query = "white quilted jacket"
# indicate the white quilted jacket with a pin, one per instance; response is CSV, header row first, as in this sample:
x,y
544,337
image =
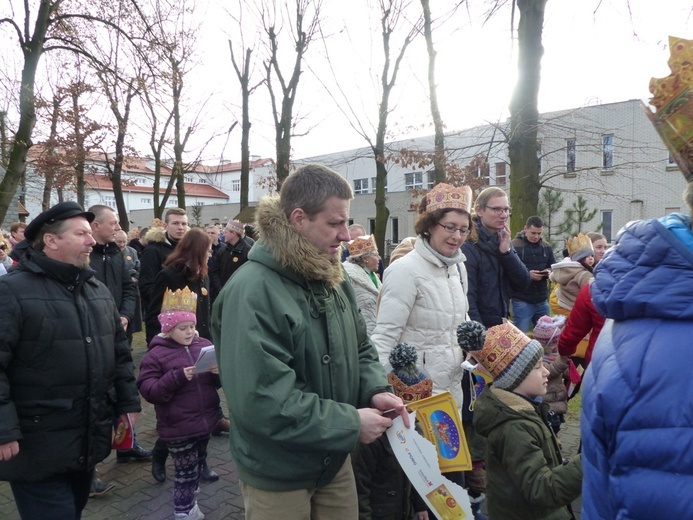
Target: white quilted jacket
x,y
366,293
422,302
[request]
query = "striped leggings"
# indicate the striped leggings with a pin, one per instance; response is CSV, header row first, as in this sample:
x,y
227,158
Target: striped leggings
x,y
187,455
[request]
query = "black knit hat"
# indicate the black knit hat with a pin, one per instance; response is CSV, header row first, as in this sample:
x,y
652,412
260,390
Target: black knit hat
x,y
61,211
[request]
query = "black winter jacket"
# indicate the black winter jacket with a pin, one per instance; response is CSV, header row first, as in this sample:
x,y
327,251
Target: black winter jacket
x,y
226,260
491,275
114,272
152,259
536,257
65,368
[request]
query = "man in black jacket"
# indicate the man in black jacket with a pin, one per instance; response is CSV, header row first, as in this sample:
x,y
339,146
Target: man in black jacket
x,y
232,254
532,303
160,244
65,368
111,269
493,267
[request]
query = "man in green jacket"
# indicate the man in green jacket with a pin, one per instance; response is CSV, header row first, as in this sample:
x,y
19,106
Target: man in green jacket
x,y
301,377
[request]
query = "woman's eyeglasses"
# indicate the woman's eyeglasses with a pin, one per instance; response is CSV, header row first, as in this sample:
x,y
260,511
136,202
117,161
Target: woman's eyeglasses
x,y
452,229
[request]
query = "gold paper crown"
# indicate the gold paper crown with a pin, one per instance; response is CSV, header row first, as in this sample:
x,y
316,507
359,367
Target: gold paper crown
x,y
579,243
445,196
362,245
502,345
181,300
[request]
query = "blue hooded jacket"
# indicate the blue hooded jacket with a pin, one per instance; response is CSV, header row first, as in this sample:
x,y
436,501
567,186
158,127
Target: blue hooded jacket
x,y
637,402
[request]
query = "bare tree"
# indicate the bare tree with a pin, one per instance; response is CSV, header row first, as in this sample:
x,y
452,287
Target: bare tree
x,y
52,29
524,114
305,22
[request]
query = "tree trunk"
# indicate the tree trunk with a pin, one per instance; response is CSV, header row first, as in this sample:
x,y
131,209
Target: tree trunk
x,y
439,139
33,50
524,115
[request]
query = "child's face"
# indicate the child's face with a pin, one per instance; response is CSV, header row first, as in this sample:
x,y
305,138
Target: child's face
x,y
535,383
589,260
183,333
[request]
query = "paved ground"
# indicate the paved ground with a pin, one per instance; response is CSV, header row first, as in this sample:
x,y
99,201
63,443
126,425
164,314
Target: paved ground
x,y
138,496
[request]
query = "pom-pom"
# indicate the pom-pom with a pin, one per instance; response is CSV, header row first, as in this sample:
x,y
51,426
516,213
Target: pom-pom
x,y
403,359
471,336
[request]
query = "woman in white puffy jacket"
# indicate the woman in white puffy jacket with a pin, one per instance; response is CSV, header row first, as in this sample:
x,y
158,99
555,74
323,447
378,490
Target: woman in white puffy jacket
x,y
424,294
362,265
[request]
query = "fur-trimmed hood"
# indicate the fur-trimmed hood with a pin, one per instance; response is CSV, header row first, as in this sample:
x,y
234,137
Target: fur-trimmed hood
x,y
290,249
156,235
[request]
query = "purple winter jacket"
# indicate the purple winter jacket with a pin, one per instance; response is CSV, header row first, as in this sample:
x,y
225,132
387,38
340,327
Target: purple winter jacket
x,y
184,409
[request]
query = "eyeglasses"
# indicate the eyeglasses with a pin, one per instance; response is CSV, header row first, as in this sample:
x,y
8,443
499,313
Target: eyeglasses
x,y
452,229
498,210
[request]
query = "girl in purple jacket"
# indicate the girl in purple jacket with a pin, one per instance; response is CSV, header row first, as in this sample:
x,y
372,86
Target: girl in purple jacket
x,y
186,402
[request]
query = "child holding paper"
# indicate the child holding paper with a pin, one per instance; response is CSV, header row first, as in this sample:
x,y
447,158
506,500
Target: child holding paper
x,y
526,474
186,402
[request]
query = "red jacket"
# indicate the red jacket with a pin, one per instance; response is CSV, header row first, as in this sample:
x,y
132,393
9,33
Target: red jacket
x,y
583,319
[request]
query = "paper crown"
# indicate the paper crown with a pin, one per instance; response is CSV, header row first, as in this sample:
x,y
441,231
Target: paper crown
x,y
579,247
409,382
673,101
177,307
362,245
183,300
236,226
507,354
445,196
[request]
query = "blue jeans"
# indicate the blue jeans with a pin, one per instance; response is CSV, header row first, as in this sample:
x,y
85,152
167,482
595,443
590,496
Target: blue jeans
x,y
526,314
61,497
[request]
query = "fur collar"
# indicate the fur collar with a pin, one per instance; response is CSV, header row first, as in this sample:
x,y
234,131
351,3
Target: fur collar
x,y
512,400
290,249
156,235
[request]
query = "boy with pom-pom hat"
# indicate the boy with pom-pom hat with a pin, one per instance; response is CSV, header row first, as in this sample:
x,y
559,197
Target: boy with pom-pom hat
x,y
526,476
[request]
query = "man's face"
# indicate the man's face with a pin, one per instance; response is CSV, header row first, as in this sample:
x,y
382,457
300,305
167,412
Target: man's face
x,y
230,236
495,213
327,229
18,235
176,226
121,239
105,227
533,233
72,245
213,232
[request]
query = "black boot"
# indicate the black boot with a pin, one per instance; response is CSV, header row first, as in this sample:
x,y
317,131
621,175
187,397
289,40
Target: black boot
x,y
137,454
206,474
159,455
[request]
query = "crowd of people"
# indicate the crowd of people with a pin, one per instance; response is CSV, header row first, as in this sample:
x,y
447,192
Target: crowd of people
x,y
318,344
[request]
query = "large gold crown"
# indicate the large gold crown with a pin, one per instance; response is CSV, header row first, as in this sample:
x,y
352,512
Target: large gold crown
x,y
444,196
181,300
579,243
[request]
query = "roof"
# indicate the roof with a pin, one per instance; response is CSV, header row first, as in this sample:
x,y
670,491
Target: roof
x,y
102,182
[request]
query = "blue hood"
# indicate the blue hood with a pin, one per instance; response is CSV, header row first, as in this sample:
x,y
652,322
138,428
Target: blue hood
x,y
648,273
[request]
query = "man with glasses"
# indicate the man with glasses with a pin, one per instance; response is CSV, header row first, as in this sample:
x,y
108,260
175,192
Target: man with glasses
x,y
493,267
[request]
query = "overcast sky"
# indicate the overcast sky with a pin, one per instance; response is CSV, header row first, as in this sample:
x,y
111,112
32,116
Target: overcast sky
x,y
590,58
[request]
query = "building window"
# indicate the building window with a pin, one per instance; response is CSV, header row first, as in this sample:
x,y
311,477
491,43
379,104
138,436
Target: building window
x,y
607,152
570,155
145,200
371,226
188,178
607,217
360,186
669,211
671,162
236,186
395,230
373,179
203,181
141,181
109,200
499,175
413,181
